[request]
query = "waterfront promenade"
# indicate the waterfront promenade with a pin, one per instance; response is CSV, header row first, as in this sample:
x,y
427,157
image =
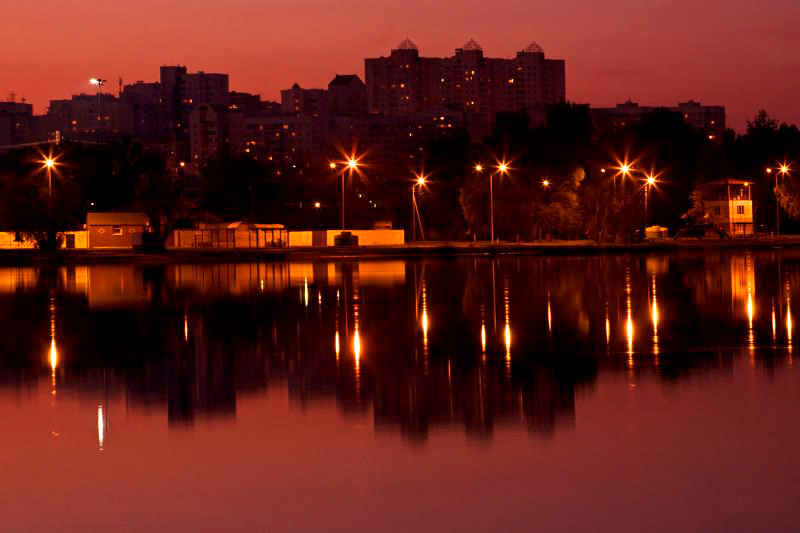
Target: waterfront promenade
x,y
411,249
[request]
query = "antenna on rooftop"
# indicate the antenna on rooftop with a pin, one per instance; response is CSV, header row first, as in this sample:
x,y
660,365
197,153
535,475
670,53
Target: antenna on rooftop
x,y
12,96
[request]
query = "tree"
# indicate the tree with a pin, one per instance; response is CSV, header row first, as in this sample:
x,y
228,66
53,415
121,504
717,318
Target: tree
x,y
159,192
30,207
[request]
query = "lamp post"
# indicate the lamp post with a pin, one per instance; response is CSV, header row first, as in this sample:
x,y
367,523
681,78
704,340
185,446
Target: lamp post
x,y
421,179
649,182
782,170
479,169
350,165
98,82
49,164
502,168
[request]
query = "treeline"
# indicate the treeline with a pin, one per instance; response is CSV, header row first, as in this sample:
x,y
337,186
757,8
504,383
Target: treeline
x,y
563,181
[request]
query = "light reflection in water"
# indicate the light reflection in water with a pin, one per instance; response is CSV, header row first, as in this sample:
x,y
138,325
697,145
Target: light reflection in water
x,y
608,328
305,291
424,319
788,324
654,316
357,351
507,330
53,353
357,336
336,345
774,324
101,427
629,321
549,315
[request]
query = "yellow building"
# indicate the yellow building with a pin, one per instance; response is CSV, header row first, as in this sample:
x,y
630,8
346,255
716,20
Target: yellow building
x,y
729,204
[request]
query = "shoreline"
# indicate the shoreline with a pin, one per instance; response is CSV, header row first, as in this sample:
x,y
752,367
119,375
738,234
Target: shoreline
x,y
408,250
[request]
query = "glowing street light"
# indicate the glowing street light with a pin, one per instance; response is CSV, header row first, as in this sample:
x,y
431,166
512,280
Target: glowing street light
x,y
781,170
48,164
420,182
98,82
649,182
317,205
502,168
546,183
350,164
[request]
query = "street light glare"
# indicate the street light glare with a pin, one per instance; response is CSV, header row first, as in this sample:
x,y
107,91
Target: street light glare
x,y
317,205
545,183
332,165
478,168
420,180
651,180
352,163
784,169
503,167
49,162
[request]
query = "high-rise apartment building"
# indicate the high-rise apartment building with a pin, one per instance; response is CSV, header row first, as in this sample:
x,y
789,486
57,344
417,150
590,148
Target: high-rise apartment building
x,y
406,83
214,130
92,117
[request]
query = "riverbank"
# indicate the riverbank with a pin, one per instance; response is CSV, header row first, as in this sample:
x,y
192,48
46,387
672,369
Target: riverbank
x,y
410,250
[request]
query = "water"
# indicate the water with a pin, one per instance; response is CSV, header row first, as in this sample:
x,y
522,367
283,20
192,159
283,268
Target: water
x,y
624,393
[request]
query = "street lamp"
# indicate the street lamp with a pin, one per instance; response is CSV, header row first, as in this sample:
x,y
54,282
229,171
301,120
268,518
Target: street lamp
x,y
649,182
350,164
624,169
502,168
781,170
420,182
546,183
49,163
98,82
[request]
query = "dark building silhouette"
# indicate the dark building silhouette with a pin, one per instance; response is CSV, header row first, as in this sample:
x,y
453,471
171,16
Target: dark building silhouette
x,y
16,123
612,120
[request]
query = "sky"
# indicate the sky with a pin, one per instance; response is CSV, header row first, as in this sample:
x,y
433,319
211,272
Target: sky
x,y
736,53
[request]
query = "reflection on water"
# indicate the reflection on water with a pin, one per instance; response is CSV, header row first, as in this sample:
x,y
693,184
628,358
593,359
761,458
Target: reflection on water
x,y
586,355
192,339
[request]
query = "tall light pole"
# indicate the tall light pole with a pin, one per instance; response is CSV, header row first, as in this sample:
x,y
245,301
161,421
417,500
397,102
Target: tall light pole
x,y
649,182
479,169
502,168
98,82
781,170
49,164
350,165
421,179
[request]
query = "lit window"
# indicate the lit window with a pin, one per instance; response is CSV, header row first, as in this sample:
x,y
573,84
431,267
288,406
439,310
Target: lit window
x,y
740,210
116,230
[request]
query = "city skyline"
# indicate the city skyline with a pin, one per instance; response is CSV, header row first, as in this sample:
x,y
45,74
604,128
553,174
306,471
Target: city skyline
x,y
645,54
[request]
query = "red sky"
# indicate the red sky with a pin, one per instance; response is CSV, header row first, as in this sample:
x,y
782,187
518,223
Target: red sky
x,y
736,53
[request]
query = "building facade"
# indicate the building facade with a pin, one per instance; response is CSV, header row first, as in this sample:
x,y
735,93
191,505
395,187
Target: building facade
x,y
115,230
405,83
214,130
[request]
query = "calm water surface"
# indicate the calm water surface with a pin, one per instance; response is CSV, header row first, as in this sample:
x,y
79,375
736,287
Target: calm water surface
x,y
624,393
